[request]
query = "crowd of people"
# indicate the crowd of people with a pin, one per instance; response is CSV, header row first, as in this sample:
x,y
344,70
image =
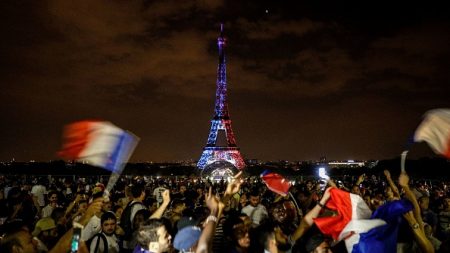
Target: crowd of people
x,y
239,215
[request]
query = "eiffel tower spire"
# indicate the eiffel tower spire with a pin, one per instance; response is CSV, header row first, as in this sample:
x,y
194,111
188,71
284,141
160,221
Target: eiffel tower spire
x,y
221,122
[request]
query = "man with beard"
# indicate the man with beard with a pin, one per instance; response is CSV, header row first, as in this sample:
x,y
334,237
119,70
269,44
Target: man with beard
x,y
106,240
255,210
153,237
45,234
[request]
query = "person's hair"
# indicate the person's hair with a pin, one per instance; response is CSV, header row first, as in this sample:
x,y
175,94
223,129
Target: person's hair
x,y
177,202
9,235
58,213
265,232
50,193
149,201
147,232
254,193
108,216
136,190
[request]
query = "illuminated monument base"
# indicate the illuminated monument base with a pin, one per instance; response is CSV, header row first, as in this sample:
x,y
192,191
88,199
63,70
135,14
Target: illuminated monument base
x,y
219,170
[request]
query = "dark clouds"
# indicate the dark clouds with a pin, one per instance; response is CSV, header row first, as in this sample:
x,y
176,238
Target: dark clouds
x,y
305,79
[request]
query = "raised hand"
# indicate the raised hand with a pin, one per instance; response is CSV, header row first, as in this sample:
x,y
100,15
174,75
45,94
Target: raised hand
x,y
166,196
212,202
403,180
387,173
235,184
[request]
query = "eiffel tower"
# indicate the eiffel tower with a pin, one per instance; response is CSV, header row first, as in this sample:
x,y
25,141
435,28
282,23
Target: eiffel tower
x,y
221,155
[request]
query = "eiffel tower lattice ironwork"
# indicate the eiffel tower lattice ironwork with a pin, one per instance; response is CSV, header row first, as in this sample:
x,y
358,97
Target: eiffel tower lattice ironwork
x,y
227,151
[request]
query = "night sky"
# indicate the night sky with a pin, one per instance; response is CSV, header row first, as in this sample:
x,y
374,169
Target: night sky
x,y
306,79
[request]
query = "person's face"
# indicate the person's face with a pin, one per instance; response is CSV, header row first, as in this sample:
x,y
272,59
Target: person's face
x,y
182,189
279,213
138,220
83,206
324,247
355,190
254,200
107,206
153,207
109,226
53,198
242,236
27,243
119,212
163,239
243,199
424,203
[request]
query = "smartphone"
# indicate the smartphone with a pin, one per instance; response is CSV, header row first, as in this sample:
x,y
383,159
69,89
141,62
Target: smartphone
x,y
75,243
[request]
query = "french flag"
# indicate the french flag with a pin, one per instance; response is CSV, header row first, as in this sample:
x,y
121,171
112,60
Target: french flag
x,y
275,182
99,143
435,130
354,222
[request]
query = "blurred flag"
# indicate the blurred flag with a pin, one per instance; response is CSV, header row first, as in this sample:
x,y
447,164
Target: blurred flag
x,y
99,143
380,238
275,182
435,130
348,206
363,231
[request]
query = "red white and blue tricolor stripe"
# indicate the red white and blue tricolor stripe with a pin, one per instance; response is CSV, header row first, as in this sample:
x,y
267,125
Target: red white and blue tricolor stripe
x,y
99,143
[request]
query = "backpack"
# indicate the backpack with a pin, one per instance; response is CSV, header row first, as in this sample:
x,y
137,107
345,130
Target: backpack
x,y
125,221
101,237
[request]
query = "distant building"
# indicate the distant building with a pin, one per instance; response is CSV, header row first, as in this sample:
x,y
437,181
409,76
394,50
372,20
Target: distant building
x,y
346,164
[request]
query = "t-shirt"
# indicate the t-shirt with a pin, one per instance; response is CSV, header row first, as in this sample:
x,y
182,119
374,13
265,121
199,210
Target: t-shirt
x,y
113,246
39,192
93,227
257,214
158,194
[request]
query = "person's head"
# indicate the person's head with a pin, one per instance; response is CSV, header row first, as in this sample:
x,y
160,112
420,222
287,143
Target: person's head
x,y
187,238
318,243
388,192
59,215
183,189
18,240
138,191
82,206
355,190
266,238
178,206
107,206
447,203
140,216
243,200
424,202
255,199
52,197
151,204
241,235
45,230
109,222
153,235
118,210
278,212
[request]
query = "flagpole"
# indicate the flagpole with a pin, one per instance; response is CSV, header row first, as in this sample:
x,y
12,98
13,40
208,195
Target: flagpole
x,y
403,161
295,203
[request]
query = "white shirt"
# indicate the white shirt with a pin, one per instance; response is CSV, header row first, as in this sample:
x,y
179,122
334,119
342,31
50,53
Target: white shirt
x,y
257,214
47,211
93,227
158,194
39,192
113,246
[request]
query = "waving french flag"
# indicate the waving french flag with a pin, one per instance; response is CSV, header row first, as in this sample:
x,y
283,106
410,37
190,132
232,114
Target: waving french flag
x,y
99,143
435,130
275,182
362,231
